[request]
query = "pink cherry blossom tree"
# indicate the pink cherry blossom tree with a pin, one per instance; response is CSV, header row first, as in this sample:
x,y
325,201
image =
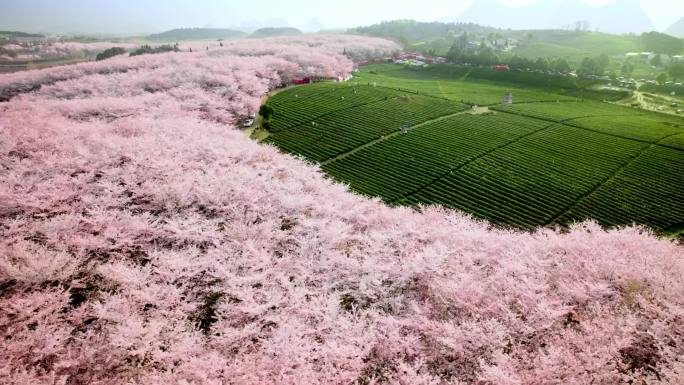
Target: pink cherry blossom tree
x,y
144,241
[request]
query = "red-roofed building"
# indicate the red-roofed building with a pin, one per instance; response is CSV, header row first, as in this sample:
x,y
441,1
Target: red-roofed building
x,y
306,80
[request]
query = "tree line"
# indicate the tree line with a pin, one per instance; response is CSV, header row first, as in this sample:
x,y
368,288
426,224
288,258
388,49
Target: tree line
x,y
464,51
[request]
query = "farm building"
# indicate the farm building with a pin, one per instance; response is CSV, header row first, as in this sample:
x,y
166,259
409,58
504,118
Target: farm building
x,y
306,80
501,68
642,56
647,55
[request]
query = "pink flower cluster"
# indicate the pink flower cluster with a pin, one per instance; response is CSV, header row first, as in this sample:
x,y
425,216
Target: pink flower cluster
x,y
70,46
221,83
58,50
143,241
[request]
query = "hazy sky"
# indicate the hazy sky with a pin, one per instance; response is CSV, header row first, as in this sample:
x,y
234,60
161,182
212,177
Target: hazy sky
x,y
133,16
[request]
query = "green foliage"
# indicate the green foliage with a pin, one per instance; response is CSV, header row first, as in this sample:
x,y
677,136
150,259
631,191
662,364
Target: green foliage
x,y
415,31
663,89
348,302
147,49
266,112
611,95
14,34
109,53
403,41
8,52
482,55
594,66
661,78
676,71
657,61
205,316
627,68
662,43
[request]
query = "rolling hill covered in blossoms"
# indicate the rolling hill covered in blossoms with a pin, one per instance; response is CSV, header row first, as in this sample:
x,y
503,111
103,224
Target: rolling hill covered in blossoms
x,y
144,240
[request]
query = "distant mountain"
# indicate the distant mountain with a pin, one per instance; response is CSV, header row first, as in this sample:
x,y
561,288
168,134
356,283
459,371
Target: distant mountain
x,y
415,31
314,25
622,16
197,34
676,29
269,32
250,26
277,23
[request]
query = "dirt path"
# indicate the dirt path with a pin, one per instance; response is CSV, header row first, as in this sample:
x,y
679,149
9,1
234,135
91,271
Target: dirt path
x,y
253,131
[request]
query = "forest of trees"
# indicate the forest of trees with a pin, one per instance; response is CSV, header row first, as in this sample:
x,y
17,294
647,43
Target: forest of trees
x,y
147,49
661,43
109,53
408,31
472,43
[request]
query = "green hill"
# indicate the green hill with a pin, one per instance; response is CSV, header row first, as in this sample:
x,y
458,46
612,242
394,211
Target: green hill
x,y
412,31
573,45
570,45
270,32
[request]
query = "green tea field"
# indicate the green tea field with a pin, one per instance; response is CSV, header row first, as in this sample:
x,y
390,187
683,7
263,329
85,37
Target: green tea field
x,y
445,137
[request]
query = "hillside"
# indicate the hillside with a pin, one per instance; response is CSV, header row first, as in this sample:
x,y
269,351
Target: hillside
x,y
415,31
196,34
676,29
270,32
145,242
550,43
574,45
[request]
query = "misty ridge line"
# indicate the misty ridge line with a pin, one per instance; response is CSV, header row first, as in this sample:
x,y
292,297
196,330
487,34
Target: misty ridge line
x,y
124,20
